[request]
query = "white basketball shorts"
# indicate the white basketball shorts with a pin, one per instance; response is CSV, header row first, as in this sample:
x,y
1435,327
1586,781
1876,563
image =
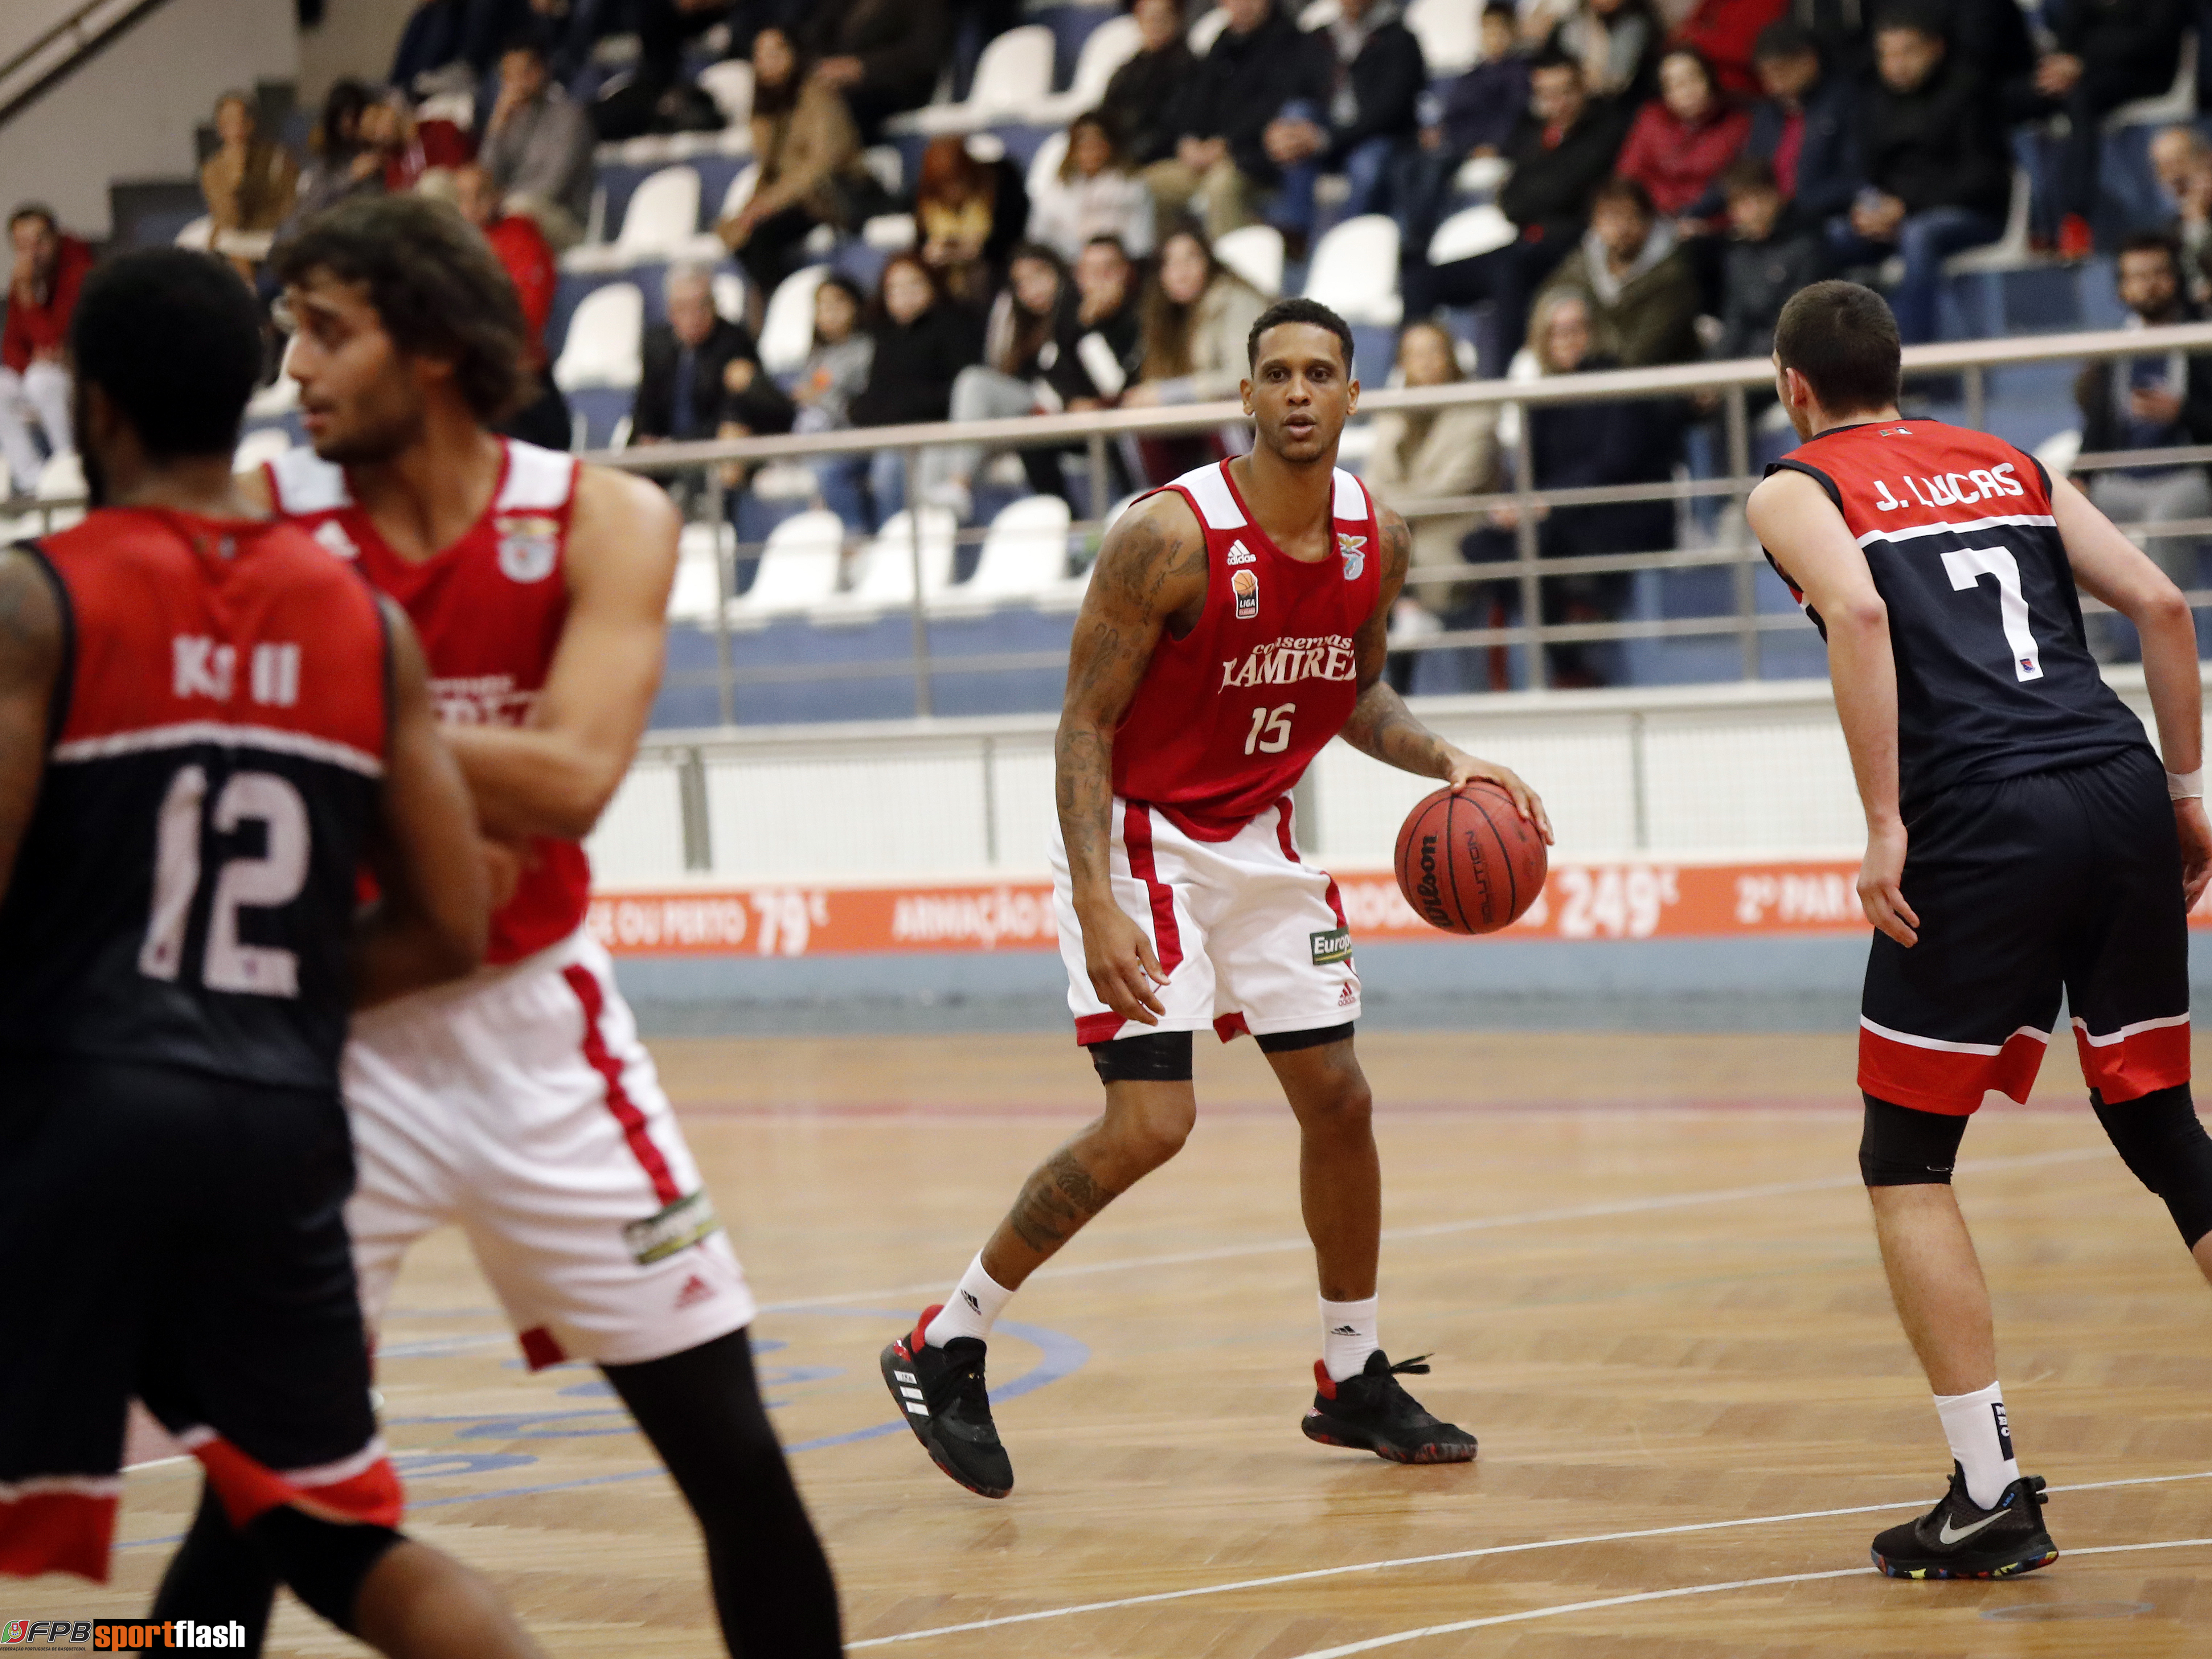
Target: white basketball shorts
x,y
1250,938
519,1104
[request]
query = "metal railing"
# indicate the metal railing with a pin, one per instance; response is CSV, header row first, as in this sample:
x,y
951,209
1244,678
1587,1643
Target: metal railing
x,y
1729,385
55,53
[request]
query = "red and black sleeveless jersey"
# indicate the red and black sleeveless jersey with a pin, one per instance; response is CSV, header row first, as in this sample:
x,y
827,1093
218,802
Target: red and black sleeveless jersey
x,y
184,895
489,610
1228,718
1994,674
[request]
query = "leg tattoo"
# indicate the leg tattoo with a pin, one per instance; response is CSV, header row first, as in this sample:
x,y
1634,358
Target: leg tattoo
x,y
1057,1199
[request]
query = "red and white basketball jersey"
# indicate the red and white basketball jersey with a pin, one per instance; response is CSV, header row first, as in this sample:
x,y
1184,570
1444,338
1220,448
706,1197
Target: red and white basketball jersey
x,y
489,610
1228,718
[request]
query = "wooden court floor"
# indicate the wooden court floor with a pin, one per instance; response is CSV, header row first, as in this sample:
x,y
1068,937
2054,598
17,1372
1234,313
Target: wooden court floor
x,y
1642,1264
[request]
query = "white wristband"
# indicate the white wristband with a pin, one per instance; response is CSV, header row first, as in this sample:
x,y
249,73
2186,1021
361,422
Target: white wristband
x,y
2186,785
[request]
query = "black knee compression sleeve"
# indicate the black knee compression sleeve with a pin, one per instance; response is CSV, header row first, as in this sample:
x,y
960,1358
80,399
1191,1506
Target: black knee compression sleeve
x,y
1286,1042
218,1576
323,1561
2162,1141
1149,1057
702,1411
1902,1147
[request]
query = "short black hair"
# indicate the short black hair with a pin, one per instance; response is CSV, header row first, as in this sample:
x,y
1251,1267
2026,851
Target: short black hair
x,y
1842,337
1918,15
1630,190
1785,37
1746,173
38,211
1550,58
1297,311
2154,241
173,337
435,285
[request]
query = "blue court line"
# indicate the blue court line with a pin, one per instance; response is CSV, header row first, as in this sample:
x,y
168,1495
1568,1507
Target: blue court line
x,y
1059,1356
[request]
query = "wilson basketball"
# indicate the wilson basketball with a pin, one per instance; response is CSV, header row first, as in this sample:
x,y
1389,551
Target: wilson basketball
x,y
1467,861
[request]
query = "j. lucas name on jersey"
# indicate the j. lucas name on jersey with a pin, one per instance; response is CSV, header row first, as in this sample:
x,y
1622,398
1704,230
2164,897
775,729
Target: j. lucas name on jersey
x,y
1950,489
1285,662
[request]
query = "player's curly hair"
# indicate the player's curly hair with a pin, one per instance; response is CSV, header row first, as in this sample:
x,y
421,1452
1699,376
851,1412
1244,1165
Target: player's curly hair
x,y
435,285
1297,310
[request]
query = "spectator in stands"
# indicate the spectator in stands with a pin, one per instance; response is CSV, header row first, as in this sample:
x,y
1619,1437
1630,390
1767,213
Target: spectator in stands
x,y
1774,250
835,371
1195,315
883,56
1840,32
1682,140
1425,454
808,152
341,163
405,148
1021,340
968,214
700,372
2106,53
528,260
1366,123
1141,98
1638,278
1092,194
1579,446
2163,401
1223,168
922,342
1806,128
1564,151
34,378
1616,41
1100,342
1938,173
2182,158
1725,32
248,183
1475,114
459,37
536,144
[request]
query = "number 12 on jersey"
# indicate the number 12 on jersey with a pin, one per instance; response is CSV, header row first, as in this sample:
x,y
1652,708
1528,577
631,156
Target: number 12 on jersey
x,y
269,882
1966,567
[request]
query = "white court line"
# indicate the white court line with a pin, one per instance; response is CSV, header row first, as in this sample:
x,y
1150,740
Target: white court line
x,y
1374,1642
1477,1224
1511,1549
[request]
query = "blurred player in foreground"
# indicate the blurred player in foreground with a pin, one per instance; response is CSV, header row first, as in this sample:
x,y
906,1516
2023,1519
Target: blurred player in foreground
x,y
2020,841
1234,625
206,726
520,1103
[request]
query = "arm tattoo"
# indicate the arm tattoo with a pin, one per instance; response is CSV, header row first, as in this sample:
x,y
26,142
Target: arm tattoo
x,y
1055,1201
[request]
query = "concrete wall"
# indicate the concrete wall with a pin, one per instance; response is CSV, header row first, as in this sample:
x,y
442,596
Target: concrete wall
x,y
130,112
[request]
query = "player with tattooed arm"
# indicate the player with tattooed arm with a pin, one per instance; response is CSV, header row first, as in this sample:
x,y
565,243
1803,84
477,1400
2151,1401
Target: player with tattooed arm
x,y
1235,623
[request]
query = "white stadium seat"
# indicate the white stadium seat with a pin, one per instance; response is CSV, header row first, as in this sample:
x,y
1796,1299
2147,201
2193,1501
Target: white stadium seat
x,y
1025,555
606,334
663,215
729,295
1451,34
1470,232
886,578
1205,32
198,235
1045,163
1012,77
1105,49
1256,253
787,325
740,190
730,84
1355,271
798,569
2176,103
693,597
2060,451
2010,251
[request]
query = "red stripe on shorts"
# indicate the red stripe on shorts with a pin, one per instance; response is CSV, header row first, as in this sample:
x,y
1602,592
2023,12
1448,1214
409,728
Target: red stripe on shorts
x,y
1137,837
249,1488
1905,1072
586,988
1291,851
56,1531
2135,1061
1097,1028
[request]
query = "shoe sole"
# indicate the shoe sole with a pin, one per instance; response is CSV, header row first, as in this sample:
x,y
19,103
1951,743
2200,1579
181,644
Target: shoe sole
x,y
891,1361
1329,1431
1940,1570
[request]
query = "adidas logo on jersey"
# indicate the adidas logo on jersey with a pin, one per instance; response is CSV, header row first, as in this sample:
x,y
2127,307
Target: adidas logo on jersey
x,y
1240,553
696,1290
1348,995
332,534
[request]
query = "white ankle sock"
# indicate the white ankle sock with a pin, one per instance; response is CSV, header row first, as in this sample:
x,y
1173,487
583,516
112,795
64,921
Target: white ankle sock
x,y
1981,1440
1347,1337
970,1310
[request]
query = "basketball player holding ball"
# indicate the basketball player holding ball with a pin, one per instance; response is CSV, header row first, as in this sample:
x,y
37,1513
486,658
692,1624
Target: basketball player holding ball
x,y
1235,623
2021,839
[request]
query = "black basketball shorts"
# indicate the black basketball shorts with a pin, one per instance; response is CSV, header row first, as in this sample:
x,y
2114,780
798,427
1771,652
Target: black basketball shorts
x,y
181,1238
2066,880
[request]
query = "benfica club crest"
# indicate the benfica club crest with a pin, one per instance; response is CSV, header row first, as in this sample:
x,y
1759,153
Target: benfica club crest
x,y
529,544
1354,548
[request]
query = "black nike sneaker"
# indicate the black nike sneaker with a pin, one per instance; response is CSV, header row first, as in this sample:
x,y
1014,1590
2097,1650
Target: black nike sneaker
x,y
1958,1539
941,1392
1372,1412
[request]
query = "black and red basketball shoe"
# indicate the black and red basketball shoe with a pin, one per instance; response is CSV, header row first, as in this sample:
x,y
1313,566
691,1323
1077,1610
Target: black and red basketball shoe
x,y
941,1393
1959,1539
1372,1412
